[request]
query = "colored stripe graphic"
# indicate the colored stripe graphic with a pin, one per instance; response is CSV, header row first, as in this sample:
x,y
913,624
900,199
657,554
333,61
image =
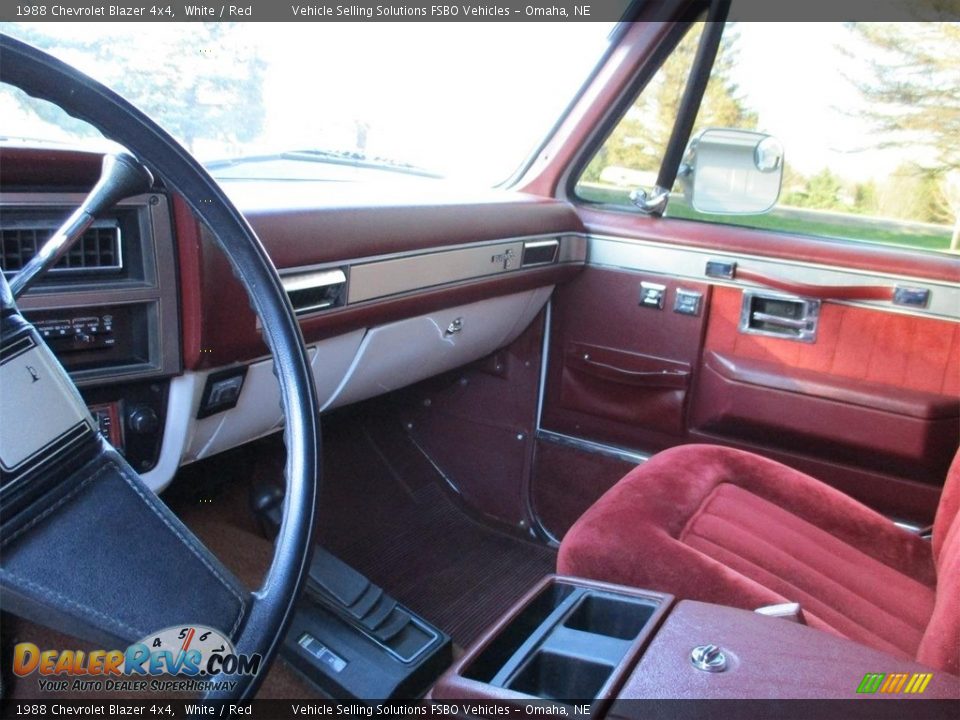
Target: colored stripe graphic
x,y
870,683
894,683
918,683
187,641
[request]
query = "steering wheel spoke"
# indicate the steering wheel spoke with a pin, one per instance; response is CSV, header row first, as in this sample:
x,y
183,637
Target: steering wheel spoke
x,y
107,560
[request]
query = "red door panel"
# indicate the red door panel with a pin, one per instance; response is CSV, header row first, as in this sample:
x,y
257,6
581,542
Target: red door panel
x,y
852,342
876,390
870,407
619,372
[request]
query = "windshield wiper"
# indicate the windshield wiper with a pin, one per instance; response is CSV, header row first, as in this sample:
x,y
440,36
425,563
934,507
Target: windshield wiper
x,y
331,157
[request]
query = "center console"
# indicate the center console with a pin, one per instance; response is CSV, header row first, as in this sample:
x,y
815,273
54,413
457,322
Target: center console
x,y
569,639
581,642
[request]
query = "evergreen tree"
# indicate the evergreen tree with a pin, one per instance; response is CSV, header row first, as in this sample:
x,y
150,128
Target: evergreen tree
x,y
913,96
640,138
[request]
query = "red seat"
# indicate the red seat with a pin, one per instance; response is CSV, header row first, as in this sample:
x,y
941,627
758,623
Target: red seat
x,y
725,526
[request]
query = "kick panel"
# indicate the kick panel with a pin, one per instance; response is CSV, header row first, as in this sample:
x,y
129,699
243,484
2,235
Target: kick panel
x,y
624,350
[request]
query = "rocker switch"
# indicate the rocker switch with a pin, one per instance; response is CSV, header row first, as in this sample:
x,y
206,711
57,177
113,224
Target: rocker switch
x,y
652,295
222,391
687,302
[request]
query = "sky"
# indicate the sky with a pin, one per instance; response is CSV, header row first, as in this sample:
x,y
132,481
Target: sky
x,y
472,100
469,100
797,78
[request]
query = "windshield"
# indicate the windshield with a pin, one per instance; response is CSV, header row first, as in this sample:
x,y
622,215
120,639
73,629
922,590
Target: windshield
x,y
467,101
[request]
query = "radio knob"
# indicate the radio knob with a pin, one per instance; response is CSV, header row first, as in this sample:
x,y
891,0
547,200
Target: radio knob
x,y
143,420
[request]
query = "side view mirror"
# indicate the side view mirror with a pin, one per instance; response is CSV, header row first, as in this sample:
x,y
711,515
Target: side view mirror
x,y
732,172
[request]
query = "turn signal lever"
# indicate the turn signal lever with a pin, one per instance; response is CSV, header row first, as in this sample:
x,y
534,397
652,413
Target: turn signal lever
x,y
121,176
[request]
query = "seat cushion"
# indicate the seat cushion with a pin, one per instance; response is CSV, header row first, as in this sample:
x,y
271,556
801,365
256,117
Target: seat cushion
x,y
725,526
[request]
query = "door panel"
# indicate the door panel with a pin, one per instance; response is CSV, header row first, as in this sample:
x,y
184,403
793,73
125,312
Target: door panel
x,y
900,351
620,372
625,386
764,404
734,240
870,406
876,390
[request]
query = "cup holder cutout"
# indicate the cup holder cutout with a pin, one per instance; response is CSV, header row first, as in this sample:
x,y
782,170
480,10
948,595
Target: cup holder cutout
x,y
610,616
558,677
508,642
566,644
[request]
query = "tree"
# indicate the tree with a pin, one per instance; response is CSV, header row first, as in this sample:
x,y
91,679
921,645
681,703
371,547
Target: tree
x,y
913,97
865,198
640,138
821,192
207,87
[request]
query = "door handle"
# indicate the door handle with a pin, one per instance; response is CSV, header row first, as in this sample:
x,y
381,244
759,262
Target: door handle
x,y
821,292
781,321
779,316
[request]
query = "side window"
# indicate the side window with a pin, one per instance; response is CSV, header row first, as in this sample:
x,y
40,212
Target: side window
x,y
868,115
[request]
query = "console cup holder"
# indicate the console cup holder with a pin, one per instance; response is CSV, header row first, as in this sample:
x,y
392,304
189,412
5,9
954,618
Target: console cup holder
x,y
609,615
568,641
559,677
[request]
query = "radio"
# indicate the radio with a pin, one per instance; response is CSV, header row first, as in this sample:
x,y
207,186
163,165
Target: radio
x,y
89,332
95,341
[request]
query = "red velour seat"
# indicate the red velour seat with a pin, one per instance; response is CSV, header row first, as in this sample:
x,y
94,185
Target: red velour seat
x,y
729,527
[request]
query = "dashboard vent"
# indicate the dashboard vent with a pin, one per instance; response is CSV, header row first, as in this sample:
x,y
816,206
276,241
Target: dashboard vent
x,y
97,250
317,290
539,252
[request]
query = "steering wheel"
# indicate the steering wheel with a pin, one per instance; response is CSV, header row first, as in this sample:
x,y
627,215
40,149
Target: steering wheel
x,y
85,547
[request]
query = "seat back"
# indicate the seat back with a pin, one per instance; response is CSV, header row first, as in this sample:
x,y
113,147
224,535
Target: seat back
x,y
940,646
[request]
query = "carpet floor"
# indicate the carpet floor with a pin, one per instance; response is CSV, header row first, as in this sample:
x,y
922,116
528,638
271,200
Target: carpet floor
x,y
386,511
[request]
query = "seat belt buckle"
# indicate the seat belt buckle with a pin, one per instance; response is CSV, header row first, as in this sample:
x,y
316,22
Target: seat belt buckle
x,y
790,611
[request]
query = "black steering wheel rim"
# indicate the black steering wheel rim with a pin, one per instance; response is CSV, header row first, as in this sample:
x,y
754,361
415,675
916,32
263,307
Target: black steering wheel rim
x,y
271,607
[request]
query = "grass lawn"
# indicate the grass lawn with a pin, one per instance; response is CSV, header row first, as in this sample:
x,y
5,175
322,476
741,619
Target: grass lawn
x,y
798,220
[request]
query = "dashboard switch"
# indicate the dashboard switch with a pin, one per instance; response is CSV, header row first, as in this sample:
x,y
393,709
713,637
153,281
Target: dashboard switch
x,y
221,391
687,302
652,295
107,416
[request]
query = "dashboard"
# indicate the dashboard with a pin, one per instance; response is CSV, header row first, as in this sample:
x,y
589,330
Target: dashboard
x,y
392,283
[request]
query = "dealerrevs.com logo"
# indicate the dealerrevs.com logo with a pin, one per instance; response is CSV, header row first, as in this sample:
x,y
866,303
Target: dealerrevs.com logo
x,y
197,654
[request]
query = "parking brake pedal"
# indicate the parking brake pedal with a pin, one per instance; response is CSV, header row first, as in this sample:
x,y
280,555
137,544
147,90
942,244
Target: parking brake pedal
x,y
355,641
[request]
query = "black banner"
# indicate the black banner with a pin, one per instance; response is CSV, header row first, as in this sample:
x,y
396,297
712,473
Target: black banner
x,y
875,709
497,11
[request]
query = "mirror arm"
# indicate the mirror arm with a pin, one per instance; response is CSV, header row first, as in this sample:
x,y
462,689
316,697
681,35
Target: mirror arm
x,y
690,101
650,203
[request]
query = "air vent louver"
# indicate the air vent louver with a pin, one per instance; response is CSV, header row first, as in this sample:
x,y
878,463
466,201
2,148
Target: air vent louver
x,y
98,249
540,252
314,291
